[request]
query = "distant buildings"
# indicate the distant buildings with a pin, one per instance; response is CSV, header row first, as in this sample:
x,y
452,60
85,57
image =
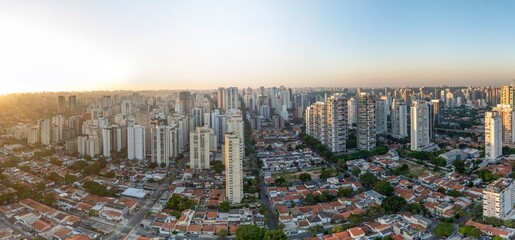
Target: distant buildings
x,y
233,154
202,143
366,121
493,135
126,108
61,104
498,198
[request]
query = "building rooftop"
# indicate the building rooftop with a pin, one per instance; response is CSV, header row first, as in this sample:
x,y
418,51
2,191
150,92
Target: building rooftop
x,y
499,185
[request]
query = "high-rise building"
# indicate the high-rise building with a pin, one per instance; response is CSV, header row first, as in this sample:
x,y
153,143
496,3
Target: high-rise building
x,y
126,108
337,126
499,199
366,125
233,154
420,126
493,135
507,95
381,116
202,143
220,98
231,99
111,140
197,118
44,131
399,118
506,112
82,144
186,100
163,144
32,135
327,122
438,111
72,104
93,146
61,104
219,125
235,124
136,147
316,122
352,109
432,120
57,128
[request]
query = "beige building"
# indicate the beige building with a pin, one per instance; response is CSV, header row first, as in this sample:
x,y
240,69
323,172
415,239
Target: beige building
x,y
202,143
508,122
233,154
507,93
498,199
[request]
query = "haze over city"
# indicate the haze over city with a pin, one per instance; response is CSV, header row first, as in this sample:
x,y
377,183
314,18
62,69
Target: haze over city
x,y
133,45
257,120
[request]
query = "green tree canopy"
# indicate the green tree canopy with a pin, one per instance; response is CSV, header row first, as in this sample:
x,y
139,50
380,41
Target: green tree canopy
x,y
393,204
443,229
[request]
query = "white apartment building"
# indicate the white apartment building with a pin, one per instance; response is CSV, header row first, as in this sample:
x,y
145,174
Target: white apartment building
x,y
493,135
498,198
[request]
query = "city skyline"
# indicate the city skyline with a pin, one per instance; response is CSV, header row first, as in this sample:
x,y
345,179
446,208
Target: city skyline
x,y
84,46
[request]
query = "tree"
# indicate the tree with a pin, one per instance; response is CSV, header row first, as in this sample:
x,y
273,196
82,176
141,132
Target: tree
x,y
68,178
178,203
345,192
355,219
355,171
304,177
384,188
162,165
454,193
367,179
87,157
338,228
469,231
443,229
218,166
309,199
275,235
280,182
327,173
250,232
222,233
393,204
417,208
152,165
459,166
225,206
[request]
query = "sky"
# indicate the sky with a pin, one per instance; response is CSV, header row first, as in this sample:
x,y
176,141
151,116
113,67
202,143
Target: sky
x,y
133,45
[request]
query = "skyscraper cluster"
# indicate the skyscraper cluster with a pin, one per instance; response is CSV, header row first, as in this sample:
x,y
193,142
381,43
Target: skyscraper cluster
x,y
327,122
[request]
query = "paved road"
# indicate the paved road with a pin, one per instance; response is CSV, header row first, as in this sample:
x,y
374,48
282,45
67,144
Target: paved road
x,y
17,229
121,231
272,222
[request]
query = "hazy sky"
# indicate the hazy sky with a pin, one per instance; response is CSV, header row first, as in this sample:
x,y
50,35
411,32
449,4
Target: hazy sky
x,y
91,45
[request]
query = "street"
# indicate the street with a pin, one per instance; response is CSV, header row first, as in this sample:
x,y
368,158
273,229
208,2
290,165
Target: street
x,y
121,231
